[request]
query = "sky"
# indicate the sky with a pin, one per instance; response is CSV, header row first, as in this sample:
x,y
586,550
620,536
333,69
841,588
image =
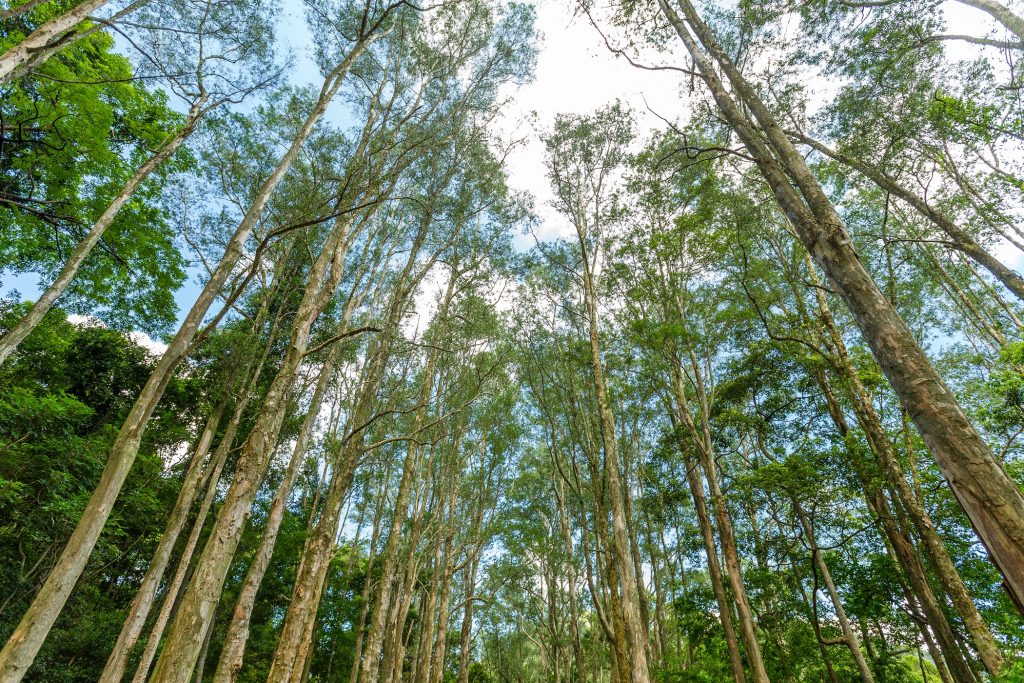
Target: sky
x,y
575,73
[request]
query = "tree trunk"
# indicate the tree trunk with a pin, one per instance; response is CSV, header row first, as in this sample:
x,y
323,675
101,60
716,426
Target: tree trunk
x,y
732,567
211,476
41,38
233,651
960,240
635,630
320,543
715,571
903,550
174,588
428,607
837,604
466,633
375,635
200,600
574,617
878,439
436,671
141,604
360,628
748,629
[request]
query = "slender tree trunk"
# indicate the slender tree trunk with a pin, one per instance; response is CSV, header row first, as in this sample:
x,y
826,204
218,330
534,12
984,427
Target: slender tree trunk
x,y
732,567
574,616
992,501
635,630
903,550
203,653
715,572
657,580
200,600
428,608
947,573
378,627
138,611
237,635
704,521
320,543
357,648
812,615
211,476
436,669
394,653
702,438
375,635
28,636
849,635
170,602
466,633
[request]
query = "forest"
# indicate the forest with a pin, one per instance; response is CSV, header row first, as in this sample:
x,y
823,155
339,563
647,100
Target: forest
x,y
302,378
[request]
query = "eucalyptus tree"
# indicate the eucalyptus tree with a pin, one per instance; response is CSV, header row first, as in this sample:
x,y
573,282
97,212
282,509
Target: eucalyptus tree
x,y
358,199
252,354
813,325
364,280
464,269
990,498
666,265
372,21
416,121
583,156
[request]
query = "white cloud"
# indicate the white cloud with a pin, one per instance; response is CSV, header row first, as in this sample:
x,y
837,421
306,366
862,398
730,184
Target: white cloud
x,y
576,74
155,347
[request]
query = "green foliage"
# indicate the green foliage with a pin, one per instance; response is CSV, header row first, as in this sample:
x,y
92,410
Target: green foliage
x,y
73,133
58,420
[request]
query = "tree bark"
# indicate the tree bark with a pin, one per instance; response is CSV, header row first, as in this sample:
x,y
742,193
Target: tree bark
x,y
200,601
878,439
237,635
714,568
902,548
41,38
436,670
466,633
320,543
700,437
173,592
375,636
635,630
